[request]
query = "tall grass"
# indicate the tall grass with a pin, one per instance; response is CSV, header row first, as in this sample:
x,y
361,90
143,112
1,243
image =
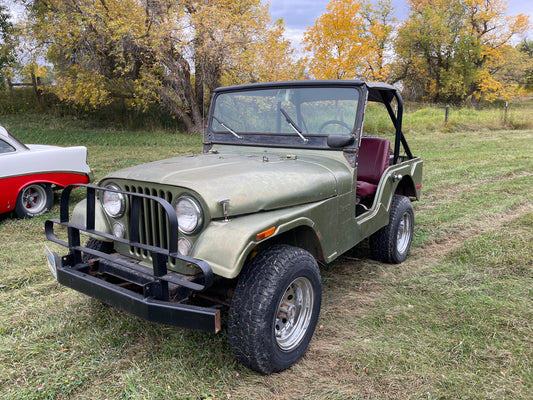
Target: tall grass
x,y
424,118
517,114
22,101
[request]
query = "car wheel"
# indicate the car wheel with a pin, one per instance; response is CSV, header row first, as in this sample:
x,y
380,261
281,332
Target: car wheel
x,y
33,200
99,245
274,309
391,243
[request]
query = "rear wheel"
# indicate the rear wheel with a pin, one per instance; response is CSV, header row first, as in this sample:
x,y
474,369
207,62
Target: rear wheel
x,y
34,199
392,242
275,309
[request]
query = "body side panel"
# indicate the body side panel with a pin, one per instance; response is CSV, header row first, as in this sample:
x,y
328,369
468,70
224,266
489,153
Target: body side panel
x,y
11,186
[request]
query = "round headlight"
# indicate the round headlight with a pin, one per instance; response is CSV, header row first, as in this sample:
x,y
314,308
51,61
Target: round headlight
x,y
114,203
184,246
190,216
119,230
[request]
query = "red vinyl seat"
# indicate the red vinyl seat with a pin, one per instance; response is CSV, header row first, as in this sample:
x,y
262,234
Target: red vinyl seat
x,y
374,154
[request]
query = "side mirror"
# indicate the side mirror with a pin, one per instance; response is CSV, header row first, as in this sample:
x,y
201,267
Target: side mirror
x,y
340,141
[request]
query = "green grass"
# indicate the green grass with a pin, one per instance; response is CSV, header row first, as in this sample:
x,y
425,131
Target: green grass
x,y
460,328
452,322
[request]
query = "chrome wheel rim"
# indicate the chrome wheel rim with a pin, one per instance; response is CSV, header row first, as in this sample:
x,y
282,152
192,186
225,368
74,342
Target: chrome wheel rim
x,y
34,198
294,314
404,233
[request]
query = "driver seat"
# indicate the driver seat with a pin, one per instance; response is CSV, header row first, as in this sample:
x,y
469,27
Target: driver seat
x,y
374,155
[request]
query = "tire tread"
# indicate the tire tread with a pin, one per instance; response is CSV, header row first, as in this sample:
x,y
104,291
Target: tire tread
x,y
383,243
257,286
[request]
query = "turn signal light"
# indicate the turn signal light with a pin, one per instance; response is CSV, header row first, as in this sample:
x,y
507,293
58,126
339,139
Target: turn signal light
x,y
265,234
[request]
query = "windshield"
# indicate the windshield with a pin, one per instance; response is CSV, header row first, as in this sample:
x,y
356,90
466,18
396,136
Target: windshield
x,y
300,111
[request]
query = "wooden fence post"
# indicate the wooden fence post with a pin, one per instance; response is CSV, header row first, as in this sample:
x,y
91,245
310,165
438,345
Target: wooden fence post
x,y
505,113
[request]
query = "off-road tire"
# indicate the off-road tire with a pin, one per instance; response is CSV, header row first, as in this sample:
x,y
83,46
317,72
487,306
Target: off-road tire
x,y
258,332
95,244
392,242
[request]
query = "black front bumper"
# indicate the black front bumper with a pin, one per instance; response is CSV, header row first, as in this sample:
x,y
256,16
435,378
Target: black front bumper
x,y
148,308
154,294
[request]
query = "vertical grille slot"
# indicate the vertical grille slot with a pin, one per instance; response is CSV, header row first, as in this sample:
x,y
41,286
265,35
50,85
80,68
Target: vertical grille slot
x,y
153,225
163,224
146,223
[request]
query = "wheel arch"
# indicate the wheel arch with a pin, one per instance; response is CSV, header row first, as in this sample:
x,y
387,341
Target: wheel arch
x,y
229,246
406,187
54,180
302,236
24,184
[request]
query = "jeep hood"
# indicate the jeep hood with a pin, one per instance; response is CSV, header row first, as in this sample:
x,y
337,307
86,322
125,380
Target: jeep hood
x,y
251,182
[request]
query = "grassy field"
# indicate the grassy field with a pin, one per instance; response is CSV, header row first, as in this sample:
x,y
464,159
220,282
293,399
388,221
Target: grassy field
x,y
455,321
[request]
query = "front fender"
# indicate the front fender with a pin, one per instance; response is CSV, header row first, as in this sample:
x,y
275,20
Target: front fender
x,y
226,245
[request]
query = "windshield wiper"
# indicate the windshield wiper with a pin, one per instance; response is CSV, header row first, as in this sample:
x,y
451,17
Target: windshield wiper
x,y
227,128
293,125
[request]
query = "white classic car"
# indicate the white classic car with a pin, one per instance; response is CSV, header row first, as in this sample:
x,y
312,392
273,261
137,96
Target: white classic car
x,y
29,173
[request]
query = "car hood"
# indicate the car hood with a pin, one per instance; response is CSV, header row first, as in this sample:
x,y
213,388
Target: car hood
x,y
251,182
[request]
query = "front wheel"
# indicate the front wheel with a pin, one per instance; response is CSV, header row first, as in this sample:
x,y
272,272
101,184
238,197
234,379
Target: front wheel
x,y
95,244
274,310
33,200
391,243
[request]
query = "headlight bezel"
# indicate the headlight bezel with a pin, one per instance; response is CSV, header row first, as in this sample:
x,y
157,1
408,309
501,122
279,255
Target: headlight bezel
x,y
198,214
121,198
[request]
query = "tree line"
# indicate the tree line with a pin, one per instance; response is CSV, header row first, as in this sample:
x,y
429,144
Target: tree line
x,y
174,53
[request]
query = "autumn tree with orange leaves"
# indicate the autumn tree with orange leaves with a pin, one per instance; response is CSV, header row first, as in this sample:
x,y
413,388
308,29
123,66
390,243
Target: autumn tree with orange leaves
x,y
352,39
450,50
158,51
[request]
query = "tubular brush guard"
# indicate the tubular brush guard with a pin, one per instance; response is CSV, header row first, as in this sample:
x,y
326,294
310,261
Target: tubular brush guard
x,y
154,294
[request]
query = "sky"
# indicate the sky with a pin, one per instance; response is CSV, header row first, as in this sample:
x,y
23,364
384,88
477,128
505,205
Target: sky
x,y
299,14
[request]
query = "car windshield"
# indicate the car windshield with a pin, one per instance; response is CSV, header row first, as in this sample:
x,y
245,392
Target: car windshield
x,y
301,111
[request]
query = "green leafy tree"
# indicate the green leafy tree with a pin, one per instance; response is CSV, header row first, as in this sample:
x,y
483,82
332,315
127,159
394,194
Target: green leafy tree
x,y
6,41
449,50
158,51
526,50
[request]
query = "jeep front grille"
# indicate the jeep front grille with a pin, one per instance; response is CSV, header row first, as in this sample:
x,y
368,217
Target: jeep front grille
x,y
153,225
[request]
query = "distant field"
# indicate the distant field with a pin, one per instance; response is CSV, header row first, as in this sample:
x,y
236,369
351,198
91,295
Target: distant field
x,y
455,321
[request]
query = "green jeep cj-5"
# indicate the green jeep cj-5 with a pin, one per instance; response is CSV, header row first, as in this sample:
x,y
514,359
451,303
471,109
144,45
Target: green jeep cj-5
x,y
288,178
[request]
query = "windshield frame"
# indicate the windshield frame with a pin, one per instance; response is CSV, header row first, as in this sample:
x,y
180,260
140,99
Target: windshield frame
x,y
287,139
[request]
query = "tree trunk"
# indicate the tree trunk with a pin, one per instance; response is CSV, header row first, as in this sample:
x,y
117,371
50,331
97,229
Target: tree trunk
x,y
10,84
35,81
177,93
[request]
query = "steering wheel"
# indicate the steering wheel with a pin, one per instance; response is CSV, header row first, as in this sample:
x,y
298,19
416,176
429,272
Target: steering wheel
x,y
336,122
